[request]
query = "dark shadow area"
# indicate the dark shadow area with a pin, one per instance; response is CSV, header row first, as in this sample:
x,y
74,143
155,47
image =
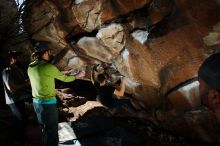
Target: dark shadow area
x,y
121,131
104,131
169,23
9,132
125,131
80,87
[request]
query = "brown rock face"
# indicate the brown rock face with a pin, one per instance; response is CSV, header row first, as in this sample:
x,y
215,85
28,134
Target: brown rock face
x,y
114,8
43,24
93,47
93,13
87,14
157,44
8,25
213,38
183,61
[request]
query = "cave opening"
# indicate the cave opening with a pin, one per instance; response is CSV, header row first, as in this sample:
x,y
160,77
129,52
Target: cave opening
x,y
158,45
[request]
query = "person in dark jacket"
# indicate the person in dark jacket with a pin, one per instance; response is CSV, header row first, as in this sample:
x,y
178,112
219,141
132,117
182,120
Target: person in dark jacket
x,y
209,79
106,92
15,84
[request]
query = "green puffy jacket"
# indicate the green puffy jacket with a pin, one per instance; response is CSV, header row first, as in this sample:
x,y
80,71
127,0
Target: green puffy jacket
x,y
42,77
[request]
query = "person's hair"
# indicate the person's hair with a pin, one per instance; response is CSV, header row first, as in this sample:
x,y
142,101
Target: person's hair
x,y
209,71
101,78
37,55
14,54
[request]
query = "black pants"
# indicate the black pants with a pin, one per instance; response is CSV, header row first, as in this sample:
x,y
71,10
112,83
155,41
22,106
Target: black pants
x,y
123,102
113,102
20,121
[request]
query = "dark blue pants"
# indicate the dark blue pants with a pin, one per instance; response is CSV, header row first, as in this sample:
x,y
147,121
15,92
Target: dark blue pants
x,y
47,115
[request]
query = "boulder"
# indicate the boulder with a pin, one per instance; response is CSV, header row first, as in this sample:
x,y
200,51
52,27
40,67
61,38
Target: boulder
x,y
93,47
140,35
93,13
113,37
213,38
44,25
88,14
157,44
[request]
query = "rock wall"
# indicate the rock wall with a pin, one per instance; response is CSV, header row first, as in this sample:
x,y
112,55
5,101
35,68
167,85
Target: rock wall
x,y
157,44
8,24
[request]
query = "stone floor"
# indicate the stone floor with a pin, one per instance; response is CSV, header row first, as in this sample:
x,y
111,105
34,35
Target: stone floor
x,y
9,132
98,131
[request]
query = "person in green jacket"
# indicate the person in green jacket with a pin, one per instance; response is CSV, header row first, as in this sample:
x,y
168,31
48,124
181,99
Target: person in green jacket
x,y
42,76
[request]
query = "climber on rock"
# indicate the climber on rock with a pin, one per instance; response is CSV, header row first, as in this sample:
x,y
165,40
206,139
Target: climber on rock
x,y
209,79
106,91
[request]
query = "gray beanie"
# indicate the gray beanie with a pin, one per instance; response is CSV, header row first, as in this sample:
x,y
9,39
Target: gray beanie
x,y
209,71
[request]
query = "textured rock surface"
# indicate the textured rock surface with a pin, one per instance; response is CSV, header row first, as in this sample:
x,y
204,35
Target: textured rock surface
x,y
113,37
157,44
213,38
8,24
43,24
93,47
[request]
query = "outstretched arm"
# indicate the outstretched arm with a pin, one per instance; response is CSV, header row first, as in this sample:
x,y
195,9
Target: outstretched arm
x,y
121,90
93,75
80,74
